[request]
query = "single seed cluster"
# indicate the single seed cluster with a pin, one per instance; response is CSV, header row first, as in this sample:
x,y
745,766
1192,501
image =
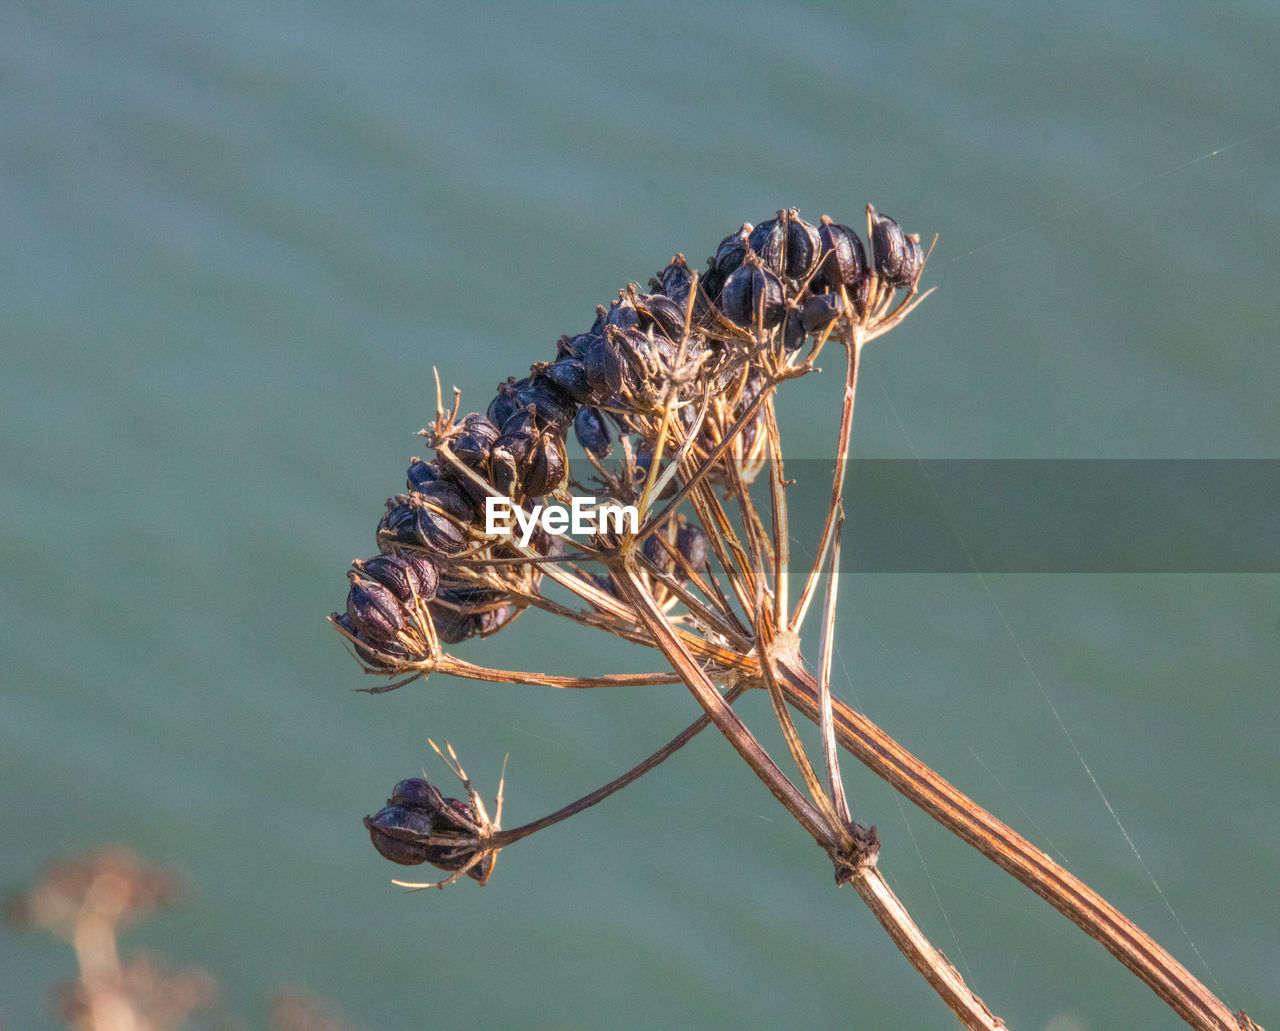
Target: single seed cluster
x,y
722,334
419,825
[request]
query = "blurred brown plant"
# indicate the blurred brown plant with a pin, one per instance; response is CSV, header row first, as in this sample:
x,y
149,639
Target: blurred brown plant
x,y
84,902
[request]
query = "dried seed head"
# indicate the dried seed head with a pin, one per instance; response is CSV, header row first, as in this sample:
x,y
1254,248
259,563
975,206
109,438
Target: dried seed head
x,y
432,829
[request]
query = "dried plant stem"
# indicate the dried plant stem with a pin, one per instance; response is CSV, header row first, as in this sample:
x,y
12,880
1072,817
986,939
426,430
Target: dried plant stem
x,y
714,705
855,860
932,965
853,348
501,839
1168,978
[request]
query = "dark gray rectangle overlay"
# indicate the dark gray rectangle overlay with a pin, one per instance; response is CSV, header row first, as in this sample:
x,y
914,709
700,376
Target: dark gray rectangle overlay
x,y
1057,516
1044,515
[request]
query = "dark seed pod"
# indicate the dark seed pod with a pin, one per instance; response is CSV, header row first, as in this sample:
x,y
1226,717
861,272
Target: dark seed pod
x,y
732,251
420,473
654,551
664,314
437,534
504,405
593,432
458,604
551,407
406,575
493,620
374,610
511,449
414,792
692,543
474,492
888,245
753,297
843,260
475,610
803,247
728,258
676,280
769,240
712,281
820,311
912,263
387,655
603,364
622,314
636,353
793,331
397,523
569,375
579,346
544,467
472,446
394,830
449,498
408,522
735,297
454,627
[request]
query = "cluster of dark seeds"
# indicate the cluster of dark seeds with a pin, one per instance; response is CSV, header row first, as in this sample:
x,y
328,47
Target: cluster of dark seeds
x,y
772,285
419,825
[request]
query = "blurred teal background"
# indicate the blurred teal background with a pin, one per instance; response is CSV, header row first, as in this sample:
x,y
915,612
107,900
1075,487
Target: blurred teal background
x,y
235,238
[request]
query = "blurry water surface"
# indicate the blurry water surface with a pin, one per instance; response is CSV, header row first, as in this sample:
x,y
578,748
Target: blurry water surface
x,y
236,237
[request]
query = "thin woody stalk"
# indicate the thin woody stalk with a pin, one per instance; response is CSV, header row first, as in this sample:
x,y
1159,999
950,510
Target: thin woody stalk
x,y
853,849
870,745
